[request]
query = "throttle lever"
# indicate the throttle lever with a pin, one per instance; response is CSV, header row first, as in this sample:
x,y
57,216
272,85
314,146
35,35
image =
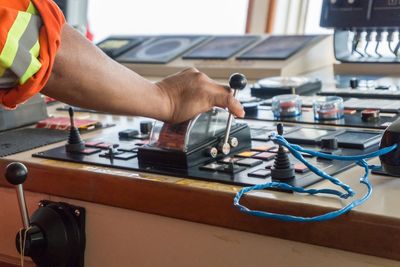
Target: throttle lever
x,y
16,174
237,81
56,235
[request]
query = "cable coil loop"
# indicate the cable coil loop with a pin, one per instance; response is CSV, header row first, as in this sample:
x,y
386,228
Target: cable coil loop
x,y
296,151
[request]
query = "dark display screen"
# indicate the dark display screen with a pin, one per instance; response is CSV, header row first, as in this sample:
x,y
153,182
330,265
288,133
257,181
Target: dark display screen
x,y
161,50
277,47
221,47
358,138
307,135
115,46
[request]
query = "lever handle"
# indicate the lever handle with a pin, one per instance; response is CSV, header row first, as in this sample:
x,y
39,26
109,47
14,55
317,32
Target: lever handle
x,y
16,174
237,81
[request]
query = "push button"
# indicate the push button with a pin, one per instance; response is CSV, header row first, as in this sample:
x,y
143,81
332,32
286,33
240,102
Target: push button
x,y
261,173
89,151
232,169
212,167
104,145
248,162
93,143
247,154
264,148
265,156
300,168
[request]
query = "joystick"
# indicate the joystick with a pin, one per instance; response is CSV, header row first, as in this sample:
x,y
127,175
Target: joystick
x,y
112,151
55,234
282,168
237,82
75,142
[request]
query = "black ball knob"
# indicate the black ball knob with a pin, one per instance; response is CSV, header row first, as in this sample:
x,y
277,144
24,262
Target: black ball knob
x,y
237,81
16,173
354,83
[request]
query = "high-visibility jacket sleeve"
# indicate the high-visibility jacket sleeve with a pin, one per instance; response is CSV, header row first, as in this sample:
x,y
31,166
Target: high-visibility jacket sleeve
x,y
30,36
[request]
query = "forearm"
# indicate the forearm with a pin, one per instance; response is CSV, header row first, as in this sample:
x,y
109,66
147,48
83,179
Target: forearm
x,y
84,76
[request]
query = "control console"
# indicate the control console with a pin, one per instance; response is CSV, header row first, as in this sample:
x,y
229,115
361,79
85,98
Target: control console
x,y
365,31
216,147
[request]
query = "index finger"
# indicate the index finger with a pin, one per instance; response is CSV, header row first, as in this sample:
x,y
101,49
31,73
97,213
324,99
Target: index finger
x,y
222,96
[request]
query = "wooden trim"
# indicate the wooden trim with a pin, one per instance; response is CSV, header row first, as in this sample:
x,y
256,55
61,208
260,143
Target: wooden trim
x,y
250,7
356,231
8,261
270,22
5,264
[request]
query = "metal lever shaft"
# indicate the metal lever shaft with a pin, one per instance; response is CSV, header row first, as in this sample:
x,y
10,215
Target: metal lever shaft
x,y
16,174
229,123
237,82
22,206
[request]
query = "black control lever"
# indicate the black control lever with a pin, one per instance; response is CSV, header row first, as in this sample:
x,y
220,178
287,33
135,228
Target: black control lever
x,y
237,82
16,174
282,168
75,142
55,234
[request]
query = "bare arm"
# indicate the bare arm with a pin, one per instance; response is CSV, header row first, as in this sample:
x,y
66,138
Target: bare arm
x,y
84,76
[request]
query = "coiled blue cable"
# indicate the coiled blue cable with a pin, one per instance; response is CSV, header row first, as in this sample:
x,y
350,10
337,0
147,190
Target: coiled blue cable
x,y
296,150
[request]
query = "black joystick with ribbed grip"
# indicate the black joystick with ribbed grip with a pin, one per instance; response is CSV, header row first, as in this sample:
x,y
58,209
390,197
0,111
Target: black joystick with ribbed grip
x,y
75,142
282,168
55,234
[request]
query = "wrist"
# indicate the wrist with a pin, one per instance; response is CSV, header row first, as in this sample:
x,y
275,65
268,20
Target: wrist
x,y
163,104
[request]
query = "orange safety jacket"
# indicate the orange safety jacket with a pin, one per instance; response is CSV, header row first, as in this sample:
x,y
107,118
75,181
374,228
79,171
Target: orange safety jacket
x,y
30,33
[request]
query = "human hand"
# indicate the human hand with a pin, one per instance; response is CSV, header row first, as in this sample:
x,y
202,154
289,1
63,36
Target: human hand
x,y
191,92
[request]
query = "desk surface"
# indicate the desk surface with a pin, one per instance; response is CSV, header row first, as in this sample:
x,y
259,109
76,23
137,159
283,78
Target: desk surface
x,y
373,228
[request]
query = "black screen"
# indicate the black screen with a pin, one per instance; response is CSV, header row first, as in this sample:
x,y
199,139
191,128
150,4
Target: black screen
x,y
277,47
221,47
161,50
307,135
356,137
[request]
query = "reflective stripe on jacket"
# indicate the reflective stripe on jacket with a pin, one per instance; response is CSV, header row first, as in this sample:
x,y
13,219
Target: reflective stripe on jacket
x,y
29,38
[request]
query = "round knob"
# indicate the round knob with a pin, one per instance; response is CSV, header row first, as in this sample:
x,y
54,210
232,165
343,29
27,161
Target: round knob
x,y
212,152
226,149
233,141
16,173
354,83
237,81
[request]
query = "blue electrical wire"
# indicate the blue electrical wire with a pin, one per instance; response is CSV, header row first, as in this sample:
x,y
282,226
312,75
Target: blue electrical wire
x,y
296,150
